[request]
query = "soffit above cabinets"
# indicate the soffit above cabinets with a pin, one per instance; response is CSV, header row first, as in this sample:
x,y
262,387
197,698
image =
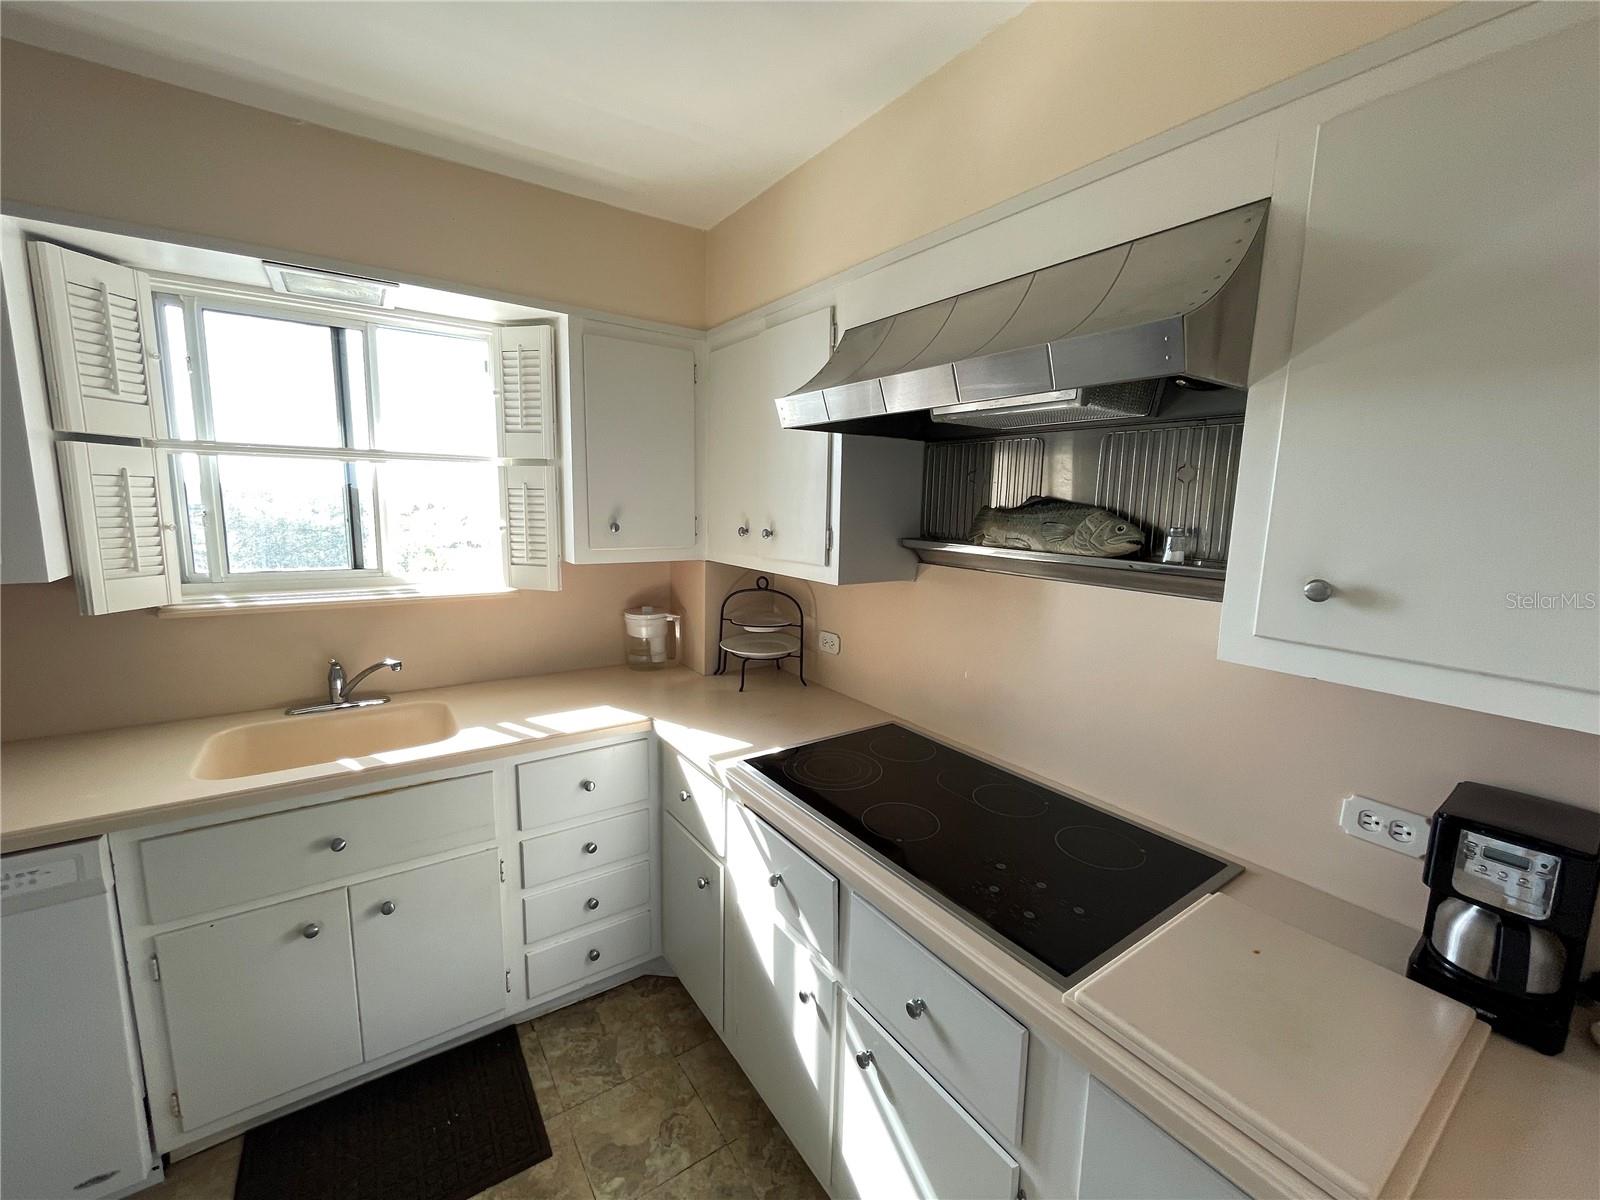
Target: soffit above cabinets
x,y
589,99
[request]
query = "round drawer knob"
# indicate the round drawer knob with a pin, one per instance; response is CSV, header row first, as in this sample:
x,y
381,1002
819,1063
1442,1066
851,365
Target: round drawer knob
x,y
588,785
592,903
337,845
805,997
744,531
590,848
684,796
311,930
774,880
702,883
615,527
387,908
766,533
594,956
865,1059
916,1007
1318,590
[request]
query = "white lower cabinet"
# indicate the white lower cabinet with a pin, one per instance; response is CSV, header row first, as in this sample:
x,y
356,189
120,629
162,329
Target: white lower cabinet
x,y
1126,1156
901,1135
780,1021
259,1004
428,950
691,917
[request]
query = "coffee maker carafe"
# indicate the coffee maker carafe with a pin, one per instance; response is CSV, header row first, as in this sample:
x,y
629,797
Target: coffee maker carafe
x,y
1512,881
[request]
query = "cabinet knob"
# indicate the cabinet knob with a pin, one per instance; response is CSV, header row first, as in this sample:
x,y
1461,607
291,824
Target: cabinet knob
x,y
865,1059
744,531
702,883
615,527
684,796
915,1007
592,903
590,847
774,880
387,908
766,533
311,930
805,997
588,785
337,845
594,956
1318,590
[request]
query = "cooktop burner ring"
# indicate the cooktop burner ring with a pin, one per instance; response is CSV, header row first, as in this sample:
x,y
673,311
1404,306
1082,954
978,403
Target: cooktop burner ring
x,y
1097,846
900,746
901,822
830,770
1010,800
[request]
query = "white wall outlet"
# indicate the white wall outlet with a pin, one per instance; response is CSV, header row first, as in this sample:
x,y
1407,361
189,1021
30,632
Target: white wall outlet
x,y
1384,825
827,642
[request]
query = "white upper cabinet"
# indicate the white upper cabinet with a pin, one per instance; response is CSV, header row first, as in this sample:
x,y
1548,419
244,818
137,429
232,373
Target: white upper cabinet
x,y
811,505
94,320
632,453
1424,435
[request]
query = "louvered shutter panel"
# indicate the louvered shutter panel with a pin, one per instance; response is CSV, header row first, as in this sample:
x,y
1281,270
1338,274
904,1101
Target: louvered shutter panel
x,y
95,319
526,391
117,522
533,558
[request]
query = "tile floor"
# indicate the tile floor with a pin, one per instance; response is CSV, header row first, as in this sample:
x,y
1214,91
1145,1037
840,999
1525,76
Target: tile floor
x,y
641,1099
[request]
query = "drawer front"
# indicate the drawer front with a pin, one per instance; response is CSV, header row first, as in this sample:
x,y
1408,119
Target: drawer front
x,y
203,870
593,952
587,781
552,856
775,881
972,1045
584,901
902,1136
695,799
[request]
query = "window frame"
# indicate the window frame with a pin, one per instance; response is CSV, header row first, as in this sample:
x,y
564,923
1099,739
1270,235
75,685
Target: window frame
x,y
360,425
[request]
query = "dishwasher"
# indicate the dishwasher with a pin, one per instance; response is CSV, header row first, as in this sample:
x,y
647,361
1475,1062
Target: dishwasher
x,y
72,1099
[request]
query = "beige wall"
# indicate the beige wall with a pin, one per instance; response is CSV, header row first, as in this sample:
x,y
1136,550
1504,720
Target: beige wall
x,y
1058,87
62,673
91,140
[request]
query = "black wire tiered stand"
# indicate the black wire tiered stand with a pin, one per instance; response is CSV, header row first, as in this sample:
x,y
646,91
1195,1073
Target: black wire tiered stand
x,y
761,636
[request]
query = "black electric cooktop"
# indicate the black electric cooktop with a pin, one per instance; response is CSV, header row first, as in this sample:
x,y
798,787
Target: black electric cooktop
x,y
1065,882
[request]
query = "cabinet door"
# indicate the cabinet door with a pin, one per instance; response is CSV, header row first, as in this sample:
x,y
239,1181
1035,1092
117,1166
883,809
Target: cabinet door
x,y
774,483
259,1004
691,917
1127,1157
638,412
1436,448
428,950
780,1021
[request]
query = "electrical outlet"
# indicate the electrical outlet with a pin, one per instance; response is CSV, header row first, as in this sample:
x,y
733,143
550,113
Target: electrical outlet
x,y
1384,825
827,642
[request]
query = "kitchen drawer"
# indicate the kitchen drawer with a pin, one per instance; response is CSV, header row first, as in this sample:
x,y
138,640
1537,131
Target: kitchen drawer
x,y
587,847
592,952
695,799
972,1045
569,786
903,1137
584,901
776,882
203,870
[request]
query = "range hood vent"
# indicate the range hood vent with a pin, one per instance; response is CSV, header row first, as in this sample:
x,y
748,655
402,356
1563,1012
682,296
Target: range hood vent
x,y
1091,340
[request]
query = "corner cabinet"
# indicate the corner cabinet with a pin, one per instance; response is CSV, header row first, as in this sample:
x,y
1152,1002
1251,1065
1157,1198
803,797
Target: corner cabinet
x,y
797,502
630,459
1417,486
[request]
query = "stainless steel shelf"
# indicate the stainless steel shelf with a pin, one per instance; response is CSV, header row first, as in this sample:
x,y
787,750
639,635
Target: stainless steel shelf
x,y
1199,583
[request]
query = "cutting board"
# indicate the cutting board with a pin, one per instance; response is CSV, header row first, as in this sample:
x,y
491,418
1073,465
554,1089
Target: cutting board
x,y
1328,1060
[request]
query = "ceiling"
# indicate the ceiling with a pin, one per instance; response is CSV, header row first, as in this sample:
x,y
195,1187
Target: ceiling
x,y
682,110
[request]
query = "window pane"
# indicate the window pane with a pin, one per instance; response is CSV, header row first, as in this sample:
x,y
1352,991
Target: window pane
x,y
192,501
434,393
272,382
442,519
175,354
284,514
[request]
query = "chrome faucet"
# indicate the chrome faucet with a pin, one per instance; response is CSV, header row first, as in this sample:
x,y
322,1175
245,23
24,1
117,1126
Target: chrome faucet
x,y
339,688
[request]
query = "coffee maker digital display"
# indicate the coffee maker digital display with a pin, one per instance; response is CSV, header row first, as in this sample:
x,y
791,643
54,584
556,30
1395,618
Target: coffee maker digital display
x,y
1512,884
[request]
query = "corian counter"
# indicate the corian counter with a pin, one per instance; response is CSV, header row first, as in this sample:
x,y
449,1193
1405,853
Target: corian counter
x,y
1525,1125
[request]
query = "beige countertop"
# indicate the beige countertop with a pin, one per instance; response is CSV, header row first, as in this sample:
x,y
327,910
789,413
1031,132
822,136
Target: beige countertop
x,y
1524,1126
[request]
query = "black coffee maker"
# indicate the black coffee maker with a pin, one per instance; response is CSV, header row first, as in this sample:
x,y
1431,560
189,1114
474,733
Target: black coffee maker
x,y
1513,880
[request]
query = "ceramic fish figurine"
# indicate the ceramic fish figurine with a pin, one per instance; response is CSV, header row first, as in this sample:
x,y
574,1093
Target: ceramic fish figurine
x,y
1057,527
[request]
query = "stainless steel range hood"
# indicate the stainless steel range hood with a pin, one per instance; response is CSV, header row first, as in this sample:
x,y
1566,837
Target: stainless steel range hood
x,y
1088,341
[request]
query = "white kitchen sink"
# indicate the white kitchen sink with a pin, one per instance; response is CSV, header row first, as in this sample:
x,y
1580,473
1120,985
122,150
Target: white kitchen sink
x,y
323,737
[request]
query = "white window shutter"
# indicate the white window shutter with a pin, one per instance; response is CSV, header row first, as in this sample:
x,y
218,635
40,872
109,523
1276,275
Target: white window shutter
x,y
533,556
525,391
95,320
119,526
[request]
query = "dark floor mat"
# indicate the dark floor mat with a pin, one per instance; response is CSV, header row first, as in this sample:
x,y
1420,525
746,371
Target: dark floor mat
x,y
445,1128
